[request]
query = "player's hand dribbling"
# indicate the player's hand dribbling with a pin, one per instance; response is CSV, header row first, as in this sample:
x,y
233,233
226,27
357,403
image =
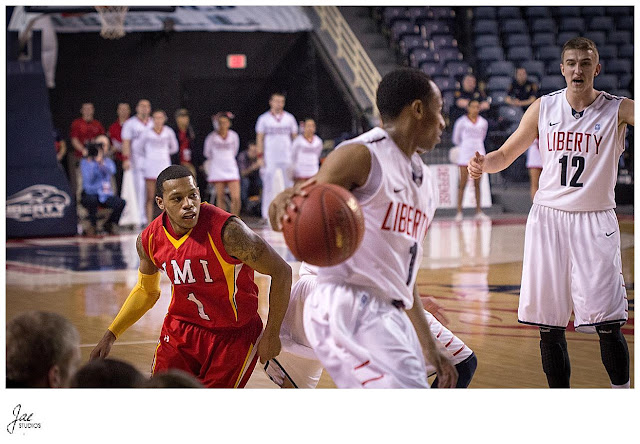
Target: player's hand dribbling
x,y
103,347
278,207
475,166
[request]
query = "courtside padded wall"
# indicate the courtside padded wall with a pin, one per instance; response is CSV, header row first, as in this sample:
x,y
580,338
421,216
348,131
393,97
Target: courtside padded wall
x,y
188,69
39,201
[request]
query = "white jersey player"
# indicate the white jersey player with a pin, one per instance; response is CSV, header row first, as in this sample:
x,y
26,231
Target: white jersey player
x,y
469,132
364,320
157,144
220,149
297,365
132,129
572,241
306,151
275,131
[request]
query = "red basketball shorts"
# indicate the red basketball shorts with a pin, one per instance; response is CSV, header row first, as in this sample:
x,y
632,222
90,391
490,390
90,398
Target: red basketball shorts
x,y
218,358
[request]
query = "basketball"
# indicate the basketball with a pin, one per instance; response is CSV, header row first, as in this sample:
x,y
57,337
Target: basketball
x,y
327,226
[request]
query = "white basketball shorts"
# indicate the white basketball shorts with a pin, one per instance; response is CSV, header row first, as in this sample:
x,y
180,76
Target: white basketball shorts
x,y
362,340
572,263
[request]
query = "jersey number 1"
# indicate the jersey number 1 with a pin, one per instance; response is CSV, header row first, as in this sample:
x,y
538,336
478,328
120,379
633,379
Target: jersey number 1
x,y
201,312
576,161
414,252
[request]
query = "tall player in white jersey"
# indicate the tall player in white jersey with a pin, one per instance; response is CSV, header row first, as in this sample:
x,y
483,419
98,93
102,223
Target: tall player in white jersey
x,y
275,131
361,319
298,367
132,152
572,241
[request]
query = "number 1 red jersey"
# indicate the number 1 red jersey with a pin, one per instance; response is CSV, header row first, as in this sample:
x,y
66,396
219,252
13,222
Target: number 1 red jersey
x,y
209,288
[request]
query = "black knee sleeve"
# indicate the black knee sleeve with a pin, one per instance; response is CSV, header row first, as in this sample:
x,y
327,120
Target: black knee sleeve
x,y
465,369
555,357
614,353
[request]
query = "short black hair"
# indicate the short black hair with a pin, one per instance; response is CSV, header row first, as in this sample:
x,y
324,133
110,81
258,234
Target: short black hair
x,y
107,373
169,173
399,88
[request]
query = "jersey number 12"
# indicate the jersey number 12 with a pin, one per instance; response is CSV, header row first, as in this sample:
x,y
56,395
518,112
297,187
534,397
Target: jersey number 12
x,y
576,161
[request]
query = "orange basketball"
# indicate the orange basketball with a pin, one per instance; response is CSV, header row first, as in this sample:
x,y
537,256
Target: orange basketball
x,y
327,226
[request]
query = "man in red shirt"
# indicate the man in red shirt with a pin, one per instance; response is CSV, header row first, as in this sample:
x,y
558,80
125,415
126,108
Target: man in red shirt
x,y
83,129
212,329
114,133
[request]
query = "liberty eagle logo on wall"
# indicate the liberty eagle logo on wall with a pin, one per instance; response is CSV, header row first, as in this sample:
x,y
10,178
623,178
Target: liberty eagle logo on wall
x,y
37,202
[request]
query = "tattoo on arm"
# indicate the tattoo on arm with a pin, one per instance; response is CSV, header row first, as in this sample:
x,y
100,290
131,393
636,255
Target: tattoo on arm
x,y
146,264
242,243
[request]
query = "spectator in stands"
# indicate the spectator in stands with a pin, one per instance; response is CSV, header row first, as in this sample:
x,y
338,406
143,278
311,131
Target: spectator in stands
x,y
469,133
275,131
172,378
97,173
249,164
60,146
115,136
306,151
43,350
107,373
157,144
522,92
186,140
468,91
220,149
83,129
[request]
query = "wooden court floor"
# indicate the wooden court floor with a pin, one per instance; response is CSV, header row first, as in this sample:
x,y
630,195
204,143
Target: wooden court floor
x,y
472,269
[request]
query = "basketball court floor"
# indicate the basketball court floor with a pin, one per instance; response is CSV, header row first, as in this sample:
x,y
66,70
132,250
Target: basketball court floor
x,y
473,270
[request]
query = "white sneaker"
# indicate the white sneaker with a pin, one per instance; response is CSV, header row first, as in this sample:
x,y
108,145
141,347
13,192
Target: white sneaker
x,y
458,217
482,217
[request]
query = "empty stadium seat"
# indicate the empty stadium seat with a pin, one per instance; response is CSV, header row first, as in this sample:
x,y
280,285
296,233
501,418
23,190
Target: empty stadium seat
x,y
534,67
624,23
418,13
428,28
517,40
443,41
617,66
607,52
514,26
457,68
625,51
565,36
622,93
497,98
510,114
606,82
508,12
421,55
619,11
598,37
549,53
543,39
625,81
490,53
537,12
485,26
448,98
552,83
442,13
484,12
445,83
571,24
402,27
501,68
449,54
409,42
433,69
619,37
499,83
519,53
566,11
487,40
592,11
543,25
601,23
393,13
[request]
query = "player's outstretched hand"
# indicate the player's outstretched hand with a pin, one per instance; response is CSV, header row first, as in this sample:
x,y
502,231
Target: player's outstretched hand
x,y
447,374
278,207
269,346
434,308
476,164
103,348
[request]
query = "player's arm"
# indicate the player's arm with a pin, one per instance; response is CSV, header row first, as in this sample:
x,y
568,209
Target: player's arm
x,y
142,297
242,243
625,112
260,144
126,153
447,374
514,146
348,167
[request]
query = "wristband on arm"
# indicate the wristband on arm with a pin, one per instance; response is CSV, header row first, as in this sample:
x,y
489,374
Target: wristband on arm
x,y
142,297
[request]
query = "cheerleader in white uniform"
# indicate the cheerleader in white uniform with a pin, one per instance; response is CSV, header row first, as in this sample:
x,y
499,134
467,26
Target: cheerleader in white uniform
x,y
220,149
469,133
158,144
306,148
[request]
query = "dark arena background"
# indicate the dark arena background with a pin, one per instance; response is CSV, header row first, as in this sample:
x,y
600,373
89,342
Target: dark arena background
x,y
327,61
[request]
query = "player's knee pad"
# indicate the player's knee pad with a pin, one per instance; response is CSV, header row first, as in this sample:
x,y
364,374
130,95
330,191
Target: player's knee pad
x,y
466,370
555,357
614,352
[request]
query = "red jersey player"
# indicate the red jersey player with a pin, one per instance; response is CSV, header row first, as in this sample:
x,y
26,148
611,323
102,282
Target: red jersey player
x,y
212,324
